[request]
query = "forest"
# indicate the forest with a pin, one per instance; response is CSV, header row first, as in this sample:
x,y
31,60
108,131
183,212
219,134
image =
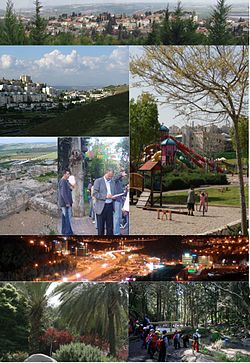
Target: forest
x,y
221,312
70,322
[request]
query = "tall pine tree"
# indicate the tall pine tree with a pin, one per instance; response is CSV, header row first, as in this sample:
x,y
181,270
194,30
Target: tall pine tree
x,y
38,32
219,34
13,32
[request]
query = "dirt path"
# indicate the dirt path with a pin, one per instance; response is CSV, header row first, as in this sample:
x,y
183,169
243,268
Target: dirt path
x,y
28,222
139,354
146,222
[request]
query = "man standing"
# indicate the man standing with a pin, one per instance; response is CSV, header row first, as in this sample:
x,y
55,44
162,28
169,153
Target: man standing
x,y
65,202
191,201
119,189
104,207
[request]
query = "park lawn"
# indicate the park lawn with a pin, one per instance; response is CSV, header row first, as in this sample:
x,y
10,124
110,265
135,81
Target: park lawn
x,y
215,196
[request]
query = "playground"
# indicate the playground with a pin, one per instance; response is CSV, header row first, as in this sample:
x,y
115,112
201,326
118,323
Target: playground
x,y
161,182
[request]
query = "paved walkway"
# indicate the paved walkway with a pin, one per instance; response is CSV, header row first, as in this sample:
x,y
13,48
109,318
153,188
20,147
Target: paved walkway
x,y
146,222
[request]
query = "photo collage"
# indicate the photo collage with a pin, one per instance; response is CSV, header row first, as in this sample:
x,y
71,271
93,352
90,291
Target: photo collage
x,y
124,156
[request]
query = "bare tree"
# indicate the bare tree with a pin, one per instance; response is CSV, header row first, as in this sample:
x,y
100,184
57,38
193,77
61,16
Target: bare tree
x,y
201,81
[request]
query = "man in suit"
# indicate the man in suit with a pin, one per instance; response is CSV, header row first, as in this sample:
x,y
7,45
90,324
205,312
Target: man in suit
x,y
104,203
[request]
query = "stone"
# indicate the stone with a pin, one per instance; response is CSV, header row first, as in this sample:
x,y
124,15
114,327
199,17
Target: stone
x,y
39,358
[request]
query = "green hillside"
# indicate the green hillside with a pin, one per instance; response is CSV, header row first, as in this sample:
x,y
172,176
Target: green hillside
x,y
106,117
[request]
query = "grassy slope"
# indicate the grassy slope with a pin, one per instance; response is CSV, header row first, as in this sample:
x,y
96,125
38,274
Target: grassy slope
x,y
215,197
107,117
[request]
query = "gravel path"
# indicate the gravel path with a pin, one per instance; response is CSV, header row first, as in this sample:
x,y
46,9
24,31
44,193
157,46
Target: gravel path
x,y
146,222
28,222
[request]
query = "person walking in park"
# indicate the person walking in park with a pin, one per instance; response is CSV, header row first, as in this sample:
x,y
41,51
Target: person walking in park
x,y
203,203
191,201
65,203
104,189
176,339
118,203
162,346
196,341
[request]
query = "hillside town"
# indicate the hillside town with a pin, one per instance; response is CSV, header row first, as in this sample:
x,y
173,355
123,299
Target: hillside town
x,y
139,24
25,95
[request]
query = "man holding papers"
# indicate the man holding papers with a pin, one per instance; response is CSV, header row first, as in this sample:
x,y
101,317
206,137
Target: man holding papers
x,y
104,191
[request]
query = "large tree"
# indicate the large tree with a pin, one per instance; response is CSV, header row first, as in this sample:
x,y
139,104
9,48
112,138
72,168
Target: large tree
x,y
13,320
200,82
38,33
36,294
95,309
144,124
12,30
219,33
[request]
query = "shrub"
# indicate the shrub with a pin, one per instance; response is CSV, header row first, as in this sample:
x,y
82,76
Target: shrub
x,y
215,336
80,352
56,338
14,357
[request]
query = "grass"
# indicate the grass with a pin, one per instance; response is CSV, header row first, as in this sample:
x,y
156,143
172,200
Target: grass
x,y
222,357
229,197
108,116
45,177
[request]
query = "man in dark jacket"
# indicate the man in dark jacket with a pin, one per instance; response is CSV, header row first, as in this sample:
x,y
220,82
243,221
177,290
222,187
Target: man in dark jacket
x,y
65,203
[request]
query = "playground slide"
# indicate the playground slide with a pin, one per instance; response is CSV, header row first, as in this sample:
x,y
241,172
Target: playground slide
x,y
197,159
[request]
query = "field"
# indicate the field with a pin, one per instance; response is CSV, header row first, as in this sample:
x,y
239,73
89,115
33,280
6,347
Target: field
x,y
109,116
220,196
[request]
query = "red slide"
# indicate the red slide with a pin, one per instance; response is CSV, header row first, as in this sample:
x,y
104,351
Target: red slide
x,y
198,159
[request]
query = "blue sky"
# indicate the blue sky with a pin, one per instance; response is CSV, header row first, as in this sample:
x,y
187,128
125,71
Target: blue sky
x,y
66,65
29,3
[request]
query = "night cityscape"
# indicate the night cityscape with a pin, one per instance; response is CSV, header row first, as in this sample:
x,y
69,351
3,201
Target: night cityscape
x,y
167,258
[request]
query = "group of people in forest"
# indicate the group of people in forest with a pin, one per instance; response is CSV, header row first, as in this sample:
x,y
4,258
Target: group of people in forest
x,y
108,202
159,342
203,207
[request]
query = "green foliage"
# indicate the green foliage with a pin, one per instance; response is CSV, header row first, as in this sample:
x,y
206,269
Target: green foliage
x,y
183,180
144,124
18,356
243,126
46,177
108,116
12,31
79,352
38,33
218,30
13,320
98,309
215,336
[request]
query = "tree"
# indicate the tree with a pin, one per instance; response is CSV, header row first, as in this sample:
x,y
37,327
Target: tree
x,y
201,81
219,34
144,124
243,135
123,147
39,24
12,30
36,295
166,29
98,309
13,320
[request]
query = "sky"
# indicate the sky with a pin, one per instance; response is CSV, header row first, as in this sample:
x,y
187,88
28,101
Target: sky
x,y
25,140
29,3
167,113
66,65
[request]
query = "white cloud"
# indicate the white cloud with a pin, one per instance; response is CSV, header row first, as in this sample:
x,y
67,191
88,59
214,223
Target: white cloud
x,y
62,66
6,61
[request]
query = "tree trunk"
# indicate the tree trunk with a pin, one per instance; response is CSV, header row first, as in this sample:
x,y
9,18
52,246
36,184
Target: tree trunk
x,y
241,181
111,334
77,171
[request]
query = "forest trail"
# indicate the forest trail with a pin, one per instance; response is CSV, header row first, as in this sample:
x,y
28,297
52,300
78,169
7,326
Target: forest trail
x,y
139,354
